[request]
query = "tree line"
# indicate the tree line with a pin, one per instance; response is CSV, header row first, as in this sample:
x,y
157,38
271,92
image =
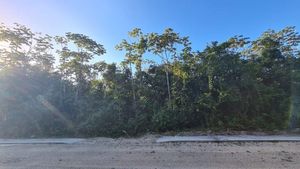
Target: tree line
x,y
60,86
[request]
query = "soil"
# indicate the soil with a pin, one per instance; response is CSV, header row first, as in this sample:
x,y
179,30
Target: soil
x,y
145,153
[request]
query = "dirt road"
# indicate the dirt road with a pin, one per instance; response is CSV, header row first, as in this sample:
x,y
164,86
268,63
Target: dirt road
x,y
145,153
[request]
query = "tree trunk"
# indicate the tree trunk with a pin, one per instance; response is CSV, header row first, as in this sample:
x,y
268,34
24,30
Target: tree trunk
x,y
168,86
132,88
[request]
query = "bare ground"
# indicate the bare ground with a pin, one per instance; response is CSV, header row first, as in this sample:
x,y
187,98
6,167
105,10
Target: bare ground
x,y
145,153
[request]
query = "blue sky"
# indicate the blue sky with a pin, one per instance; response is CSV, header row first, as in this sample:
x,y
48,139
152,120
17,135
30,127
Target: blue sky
x,y
108,21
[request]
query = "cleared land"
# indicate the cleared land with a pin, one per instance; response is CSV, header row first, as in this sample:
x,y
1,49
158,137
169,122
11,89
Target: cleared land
x,y
146,153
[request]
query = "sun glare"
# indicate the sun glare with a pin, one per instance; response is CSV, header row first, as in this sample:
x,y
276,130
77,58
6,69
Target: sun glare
x,y
3,45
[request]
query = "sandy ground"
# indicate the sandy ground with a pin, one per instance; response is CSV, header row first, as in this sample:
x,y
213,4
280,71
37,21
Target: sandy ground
x,y
145,153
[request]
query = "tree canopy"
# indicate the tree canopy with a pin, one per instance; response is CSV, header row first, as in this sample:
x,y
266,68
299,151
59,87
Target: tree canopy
x,y
60,85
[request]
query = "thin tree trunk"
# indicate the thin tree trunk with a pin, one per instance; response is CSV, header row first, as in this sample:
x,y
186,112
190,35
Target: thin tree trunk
x,y
63,84
62,93
132,88
168,86
167,78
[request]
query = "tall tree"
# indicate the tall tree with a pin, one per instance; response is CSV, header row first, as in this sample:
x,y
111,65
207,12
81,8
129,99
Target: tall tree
x,y
135,49
21,48
167,46
75,62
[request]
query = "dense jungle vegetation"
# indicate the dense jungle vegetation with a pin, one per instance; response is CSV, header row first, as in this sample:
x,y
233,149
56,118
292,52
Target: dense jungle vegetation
x,y
60,85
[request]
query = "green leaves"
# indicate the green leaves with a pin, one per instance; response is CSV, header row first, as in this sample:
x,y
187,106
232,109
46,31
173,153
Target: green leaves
x,y
85,44
135,48
22,48
75,62
286,40
236,84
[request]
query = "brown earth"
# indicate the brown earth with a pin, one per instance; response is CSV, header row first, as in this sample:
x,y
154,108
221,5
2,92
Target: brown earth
x,y
145,153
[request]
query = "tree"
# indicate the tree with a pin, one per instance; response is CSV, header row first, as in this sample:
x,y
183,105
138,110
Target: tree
x,y
237,84
76,63
166,46
22,48
134,55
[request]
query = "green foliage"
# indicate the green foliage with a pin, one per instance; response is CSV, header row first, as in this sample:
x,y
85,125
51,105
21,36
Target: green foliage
x,y
238,84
